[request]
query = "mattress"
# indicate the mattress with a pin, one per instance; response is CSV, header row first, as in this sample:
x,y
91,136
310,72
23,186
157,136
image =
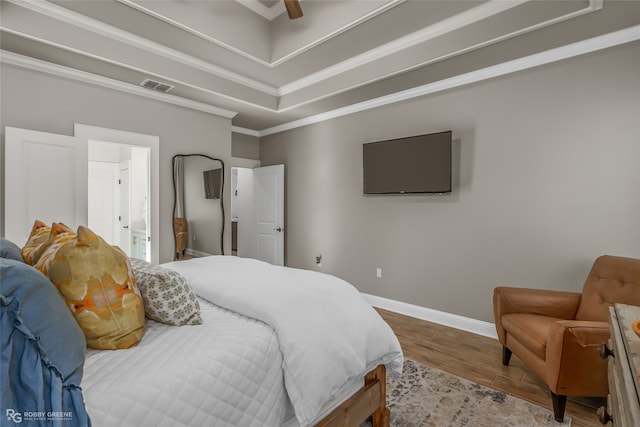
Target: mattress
x,y
225,372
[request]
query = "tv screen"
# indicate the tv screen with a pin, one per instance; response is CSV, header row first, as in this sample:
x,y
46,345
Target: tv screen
x,y
417,164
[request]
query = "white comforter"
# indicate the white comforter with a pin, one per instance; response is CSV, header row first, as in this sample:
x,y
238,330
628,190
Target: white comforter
x,y
328,334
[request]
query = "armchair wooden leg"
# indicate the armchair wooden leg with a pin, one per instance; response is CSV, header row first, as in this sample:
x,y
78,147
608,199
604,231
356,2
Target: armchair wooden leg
x,y
506,356
559,403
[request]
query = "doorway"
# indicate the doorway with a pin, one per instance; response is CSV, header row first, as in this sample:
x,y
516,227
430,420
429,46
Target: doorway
x,y
143,152
118,194
257,213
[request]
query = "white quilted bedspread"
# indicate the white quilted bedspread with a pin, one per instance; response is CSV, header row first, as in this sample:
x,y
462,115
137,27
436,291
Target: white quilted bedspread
x,y
226,372
328,334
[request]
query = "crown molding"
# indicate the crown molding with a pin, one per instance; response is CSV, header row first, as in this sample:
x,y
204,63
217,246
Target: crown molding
x,y
11,58
89,24
483,11
553,55
268,13
195,32
390,4
468,17
455,22
245,131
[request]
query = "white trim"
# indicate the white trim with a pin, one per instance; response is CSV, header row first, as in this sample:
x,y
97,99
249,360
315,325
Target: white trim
x,y
445,26
268,13
83,76
195,253
245,131
81,21
553,55
490,8
468,324
569,51
391,4
198,34
242,162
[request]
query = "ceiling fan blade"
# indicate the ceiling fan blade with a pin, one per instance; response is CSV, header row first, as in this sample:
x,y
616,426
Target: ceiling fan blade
x,y
293,8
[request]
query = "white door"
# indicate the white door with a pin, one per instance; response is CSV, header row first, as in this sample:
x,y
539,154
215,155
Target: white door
x,y
125,207
268,193
45,179
103,208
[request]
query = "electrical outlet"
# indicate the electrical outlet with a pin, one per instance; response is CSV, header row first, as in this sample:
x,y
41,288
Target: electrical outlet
x,y
379,273
319,261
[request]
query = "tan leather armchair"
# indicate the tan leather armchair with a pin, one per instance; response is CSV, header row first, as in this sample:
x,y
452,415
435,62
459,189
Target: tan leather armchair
x,y
557,334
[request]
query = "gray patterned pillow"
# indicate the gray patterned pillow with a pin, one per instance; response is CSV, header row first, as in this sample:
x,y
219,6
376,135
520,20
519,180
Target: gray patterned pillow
x,y
167,296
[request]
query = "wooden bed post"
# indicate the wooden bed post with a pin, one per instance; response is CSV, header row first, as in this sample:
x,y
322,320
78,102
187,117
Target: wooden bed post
x,y
369,401
380,418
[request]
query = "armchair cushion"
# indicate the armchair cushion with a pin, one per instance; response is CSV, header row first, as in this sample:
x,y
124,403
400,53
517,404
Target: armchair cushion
x,y
531,330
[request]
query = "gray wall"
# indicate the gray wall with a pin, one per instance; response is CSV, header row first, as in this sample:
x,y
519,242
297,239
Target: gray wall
x,y
42,102
546,178
245,146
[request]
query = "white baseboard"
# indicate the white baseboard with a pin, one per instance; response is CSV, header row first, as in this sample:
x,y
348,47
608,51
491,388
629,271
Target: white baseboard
x,y
478,327
196,253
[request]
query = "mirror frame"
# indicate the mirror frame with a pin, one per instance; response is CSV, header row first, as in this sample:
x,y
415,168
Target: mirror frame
x,y
175,202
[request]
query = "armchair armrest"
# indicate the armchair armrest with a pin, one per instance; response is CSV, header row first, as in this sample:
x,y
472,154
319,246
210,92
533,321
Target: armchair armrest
x,y
562,305
574,366
506,300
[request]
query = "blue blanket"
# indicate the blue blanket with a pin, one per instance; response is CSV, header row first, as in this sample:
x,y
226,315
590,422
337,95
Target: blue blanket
x,y
41,352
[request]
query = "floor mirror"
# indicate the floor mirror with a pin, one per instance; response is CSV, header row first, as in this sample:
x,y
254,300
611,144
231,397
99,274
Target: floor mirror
x,y
198,209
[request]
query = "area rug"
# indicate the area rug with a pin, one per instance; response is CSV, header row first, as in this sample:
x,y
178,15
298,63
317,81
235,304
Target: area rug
x,y
425,396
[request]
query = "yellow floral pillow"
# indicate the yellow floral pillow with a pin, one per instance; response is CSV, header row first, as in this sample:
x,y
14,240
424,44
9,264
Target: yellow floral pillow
x,y
59,235
97,284
39,234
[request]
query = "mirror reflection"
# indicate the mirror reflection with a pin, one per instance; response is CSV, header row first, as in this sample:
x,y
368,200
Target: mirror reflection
x,y
198,212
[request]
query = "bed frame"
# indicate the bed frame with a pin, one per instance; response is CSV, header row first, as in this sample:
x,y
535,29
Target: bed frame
x,y
368,402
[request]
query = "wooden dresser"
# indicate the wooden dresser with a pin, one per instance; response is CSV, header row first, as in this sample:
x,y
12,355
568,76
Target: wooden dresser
x,y
623,351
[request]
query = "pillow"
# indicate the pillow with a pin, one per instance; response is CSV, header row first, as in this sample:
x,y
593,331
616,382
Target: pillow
x,y
10,250
59,235
167,296
97,285
42,346
39,234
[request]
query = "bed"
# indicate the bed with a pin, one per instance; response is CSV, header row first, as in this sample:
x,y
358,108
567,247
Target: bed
x,y
277,347
280,347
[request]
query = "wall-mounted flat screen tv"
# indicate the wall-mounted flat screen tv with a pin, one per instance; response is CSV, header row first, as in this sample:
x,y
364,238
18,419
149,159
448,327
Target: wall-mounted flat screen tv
x,y
416,164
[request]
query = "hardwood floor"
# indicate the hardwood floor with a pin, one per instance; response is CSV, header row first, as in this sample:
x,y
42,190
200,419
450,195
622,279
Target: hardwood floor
x,y
478,359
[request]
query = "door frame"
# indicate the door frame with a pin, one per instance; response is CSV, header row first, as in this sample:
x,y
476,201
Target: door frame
x,y
88,132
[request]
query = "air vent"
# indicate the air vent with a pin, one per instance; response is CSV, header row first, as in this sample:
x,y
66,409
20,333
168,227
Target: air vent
x,y
160,87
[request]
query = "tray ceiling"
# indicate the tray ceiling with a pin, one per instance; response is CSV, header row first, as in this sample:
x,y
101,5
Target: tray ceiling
x,y
247,57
